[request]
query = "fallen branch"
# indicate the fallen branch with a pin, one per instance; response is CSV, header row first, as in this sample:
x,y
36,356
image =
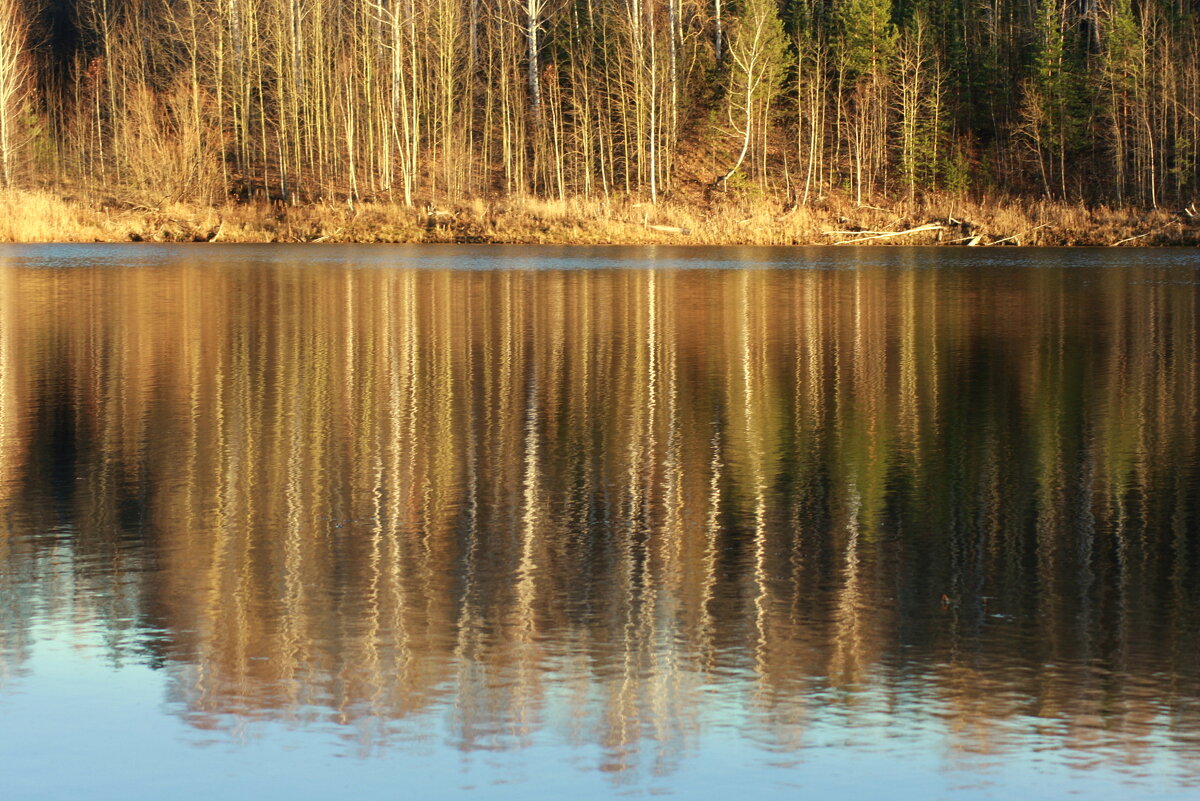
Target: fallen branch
x,y
328,236
1018,236
971,241
669,229
1131,238
918,229
852,233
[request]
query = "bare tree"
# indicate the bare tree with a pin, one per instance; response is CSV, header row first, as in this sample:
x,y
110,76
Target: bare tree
x,y
15,81
757,50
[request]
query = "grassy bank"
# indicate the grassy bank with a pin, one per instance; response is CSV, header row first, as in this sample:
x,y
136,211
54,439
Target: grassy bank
x,y
45,216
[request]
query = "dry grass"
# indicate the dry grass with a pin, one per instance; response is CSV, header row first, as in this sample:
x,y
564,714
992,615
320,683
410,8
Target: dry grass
x,y
44,216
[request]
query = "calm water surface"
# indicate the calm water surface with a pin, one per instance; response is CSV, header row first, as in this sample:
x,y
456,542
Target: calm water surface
x,y
504,523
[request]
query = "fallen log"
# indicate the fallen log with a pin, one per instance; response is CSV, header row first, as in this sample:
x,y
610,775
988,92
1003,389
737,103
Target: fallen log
x,y
1018,236
1131,238
670,229
888,234
326,237
968,241
852,233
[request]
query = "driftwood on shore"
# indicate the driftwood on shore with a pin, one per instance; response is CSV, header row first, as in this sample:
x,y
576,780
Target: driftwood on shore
x,y
1151,231
880,234
968,241
1017,237
670,229
1132,238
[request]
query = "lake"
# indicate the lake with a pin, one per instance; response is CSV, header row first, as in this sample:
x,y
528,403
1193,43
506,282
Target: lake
x,y
506,523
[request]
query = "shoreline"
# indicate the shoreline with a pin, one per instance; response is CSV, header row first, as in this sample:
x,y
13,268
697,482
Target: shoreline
x,y
48,216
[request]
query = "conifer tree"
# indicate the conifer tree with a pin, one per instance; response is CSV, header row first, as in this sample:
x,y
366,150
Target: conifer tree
x,y
865,39
1120,81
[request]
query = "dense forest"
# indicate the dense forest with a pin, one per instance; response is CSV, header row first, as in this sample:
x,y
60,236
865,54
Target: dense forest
x,y
419,101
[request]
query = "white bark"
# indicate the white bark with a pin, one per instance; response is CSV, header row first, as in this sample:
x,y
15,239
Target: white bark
x,y
14,84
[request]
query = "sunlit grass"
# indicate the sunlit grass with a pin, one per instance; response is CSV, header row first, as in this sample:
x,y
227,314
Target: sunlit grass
x,y
720,219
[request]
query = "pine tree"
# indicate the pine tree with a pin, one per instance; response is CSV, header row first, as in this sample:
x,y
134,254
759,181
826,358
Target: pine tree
x,y
1120,81
863,46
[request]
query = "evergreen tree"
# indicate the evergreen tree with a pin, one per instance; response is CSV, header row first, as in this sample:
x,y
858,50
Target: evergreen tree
x,y
864,43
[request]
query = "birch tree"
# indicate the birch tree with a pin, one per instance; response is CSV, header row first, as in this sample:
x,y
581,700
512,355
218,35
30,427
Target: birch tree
x,y
758,57
15,79
864,45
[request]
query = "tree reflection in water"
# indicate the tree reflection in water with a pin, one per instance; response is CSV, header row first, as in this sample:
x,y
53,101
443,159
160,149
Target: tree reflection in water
x,y
644,497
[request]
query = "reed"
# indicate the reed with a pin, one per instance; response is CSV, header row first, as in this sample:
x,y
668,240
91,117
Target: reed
x,y
45,216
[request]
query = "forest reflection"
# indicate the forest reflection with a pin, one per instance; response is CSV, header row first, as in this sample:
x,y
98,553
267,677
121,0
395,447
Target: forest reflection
x,y
639,496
